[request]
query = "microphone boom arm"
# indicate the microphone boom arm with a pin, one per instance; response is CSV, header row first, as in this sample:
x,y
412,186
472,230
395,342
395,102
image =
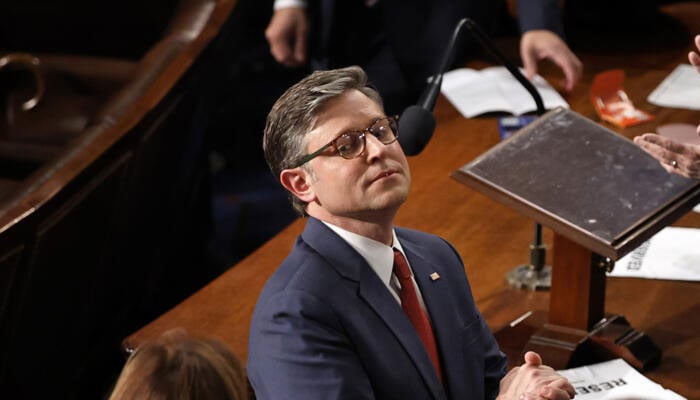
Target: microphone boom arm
x,y
488,44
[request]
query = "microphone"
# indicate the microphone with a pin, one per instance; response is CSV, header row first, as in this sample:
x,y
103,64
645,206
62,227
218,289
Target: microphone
x,y
535,275
417,122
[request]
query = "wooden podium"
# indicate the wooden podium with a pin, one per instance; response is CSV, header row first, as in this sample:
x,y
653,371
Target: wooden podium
x,y
603,197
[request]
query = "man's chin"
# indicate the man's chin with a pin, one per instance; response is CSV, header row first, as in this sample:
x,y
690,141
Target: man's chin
x,y
391,201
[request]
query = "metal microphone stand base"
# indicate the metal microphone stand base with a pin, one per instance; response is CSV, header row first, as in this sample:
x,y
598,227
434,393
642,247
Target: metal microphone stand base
x,y
533,276
527,277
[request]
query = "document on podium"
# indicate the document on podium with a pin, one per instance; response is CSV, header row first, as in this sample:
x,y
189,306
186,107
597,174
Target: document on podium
x,y
494,89
615,380
672,253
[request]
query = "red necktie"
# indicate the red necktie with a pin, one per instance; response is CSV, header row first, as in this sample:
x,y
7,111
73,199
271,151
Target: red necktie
x,y
410,304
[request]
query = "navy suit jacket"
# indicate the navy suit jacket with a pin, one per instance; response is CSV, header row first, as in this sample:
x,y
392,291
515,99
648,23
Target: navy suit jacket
x,y
326,327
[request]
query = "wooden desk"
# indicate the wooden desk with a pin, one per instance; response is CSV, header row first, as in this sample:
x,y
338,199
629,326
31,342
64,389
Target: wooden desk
x,y
491,238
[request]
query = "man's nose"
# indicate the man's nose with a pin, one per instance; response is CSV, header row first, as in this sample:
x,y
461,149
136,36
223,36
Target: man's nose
x,y
374,147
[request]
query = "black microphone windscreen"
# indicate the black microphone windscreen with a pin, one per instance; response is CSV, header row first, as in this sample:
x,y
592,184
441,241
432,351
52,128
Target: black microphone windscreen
x,y
416,127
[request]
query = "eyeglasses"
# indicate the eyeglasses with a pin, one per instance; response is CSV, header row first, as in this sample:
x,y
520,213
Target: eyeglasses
x,y
351,144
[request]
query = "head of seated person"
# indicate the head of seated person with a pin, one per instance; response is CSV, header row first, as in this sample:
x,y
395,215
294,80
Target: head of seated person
x,y
178,366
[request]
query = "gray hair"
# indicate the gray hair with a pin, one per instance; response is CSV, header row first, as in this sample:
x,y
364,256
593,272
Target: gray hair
x,y
295,113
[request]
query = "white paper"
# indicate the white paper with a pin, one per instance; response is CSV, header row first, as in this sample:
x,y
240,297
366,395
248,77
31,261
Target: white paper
x,y
681,89
673,253
615,380
494,89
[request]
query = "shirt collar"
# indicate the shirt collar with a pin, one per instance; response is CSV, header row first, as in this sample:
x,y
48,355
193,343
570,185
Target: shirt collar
x,y
379,256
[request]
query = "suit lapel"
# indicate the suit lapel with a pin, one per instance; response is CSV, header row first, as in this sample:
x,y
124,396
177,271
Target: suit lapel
x,y
441,308
373,291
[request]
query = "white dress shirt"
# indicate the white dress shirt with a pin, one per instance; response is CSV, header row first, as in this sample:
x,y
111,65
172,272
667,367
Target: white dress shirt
x,y
380,258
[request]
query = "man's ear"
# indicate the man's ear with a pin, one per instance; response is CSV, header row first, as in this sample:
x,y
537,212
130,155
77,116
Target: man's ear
x,y
297,181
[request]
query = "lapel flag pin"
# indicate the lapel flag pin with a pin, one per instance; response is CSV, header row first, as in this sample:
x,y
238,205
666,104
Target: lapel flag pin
x,y
434,276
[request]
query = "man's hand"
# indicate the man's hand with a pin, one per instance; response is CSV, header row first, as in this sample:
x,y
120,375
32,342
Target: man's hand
x,y
286,35
534,381
679,158
539,44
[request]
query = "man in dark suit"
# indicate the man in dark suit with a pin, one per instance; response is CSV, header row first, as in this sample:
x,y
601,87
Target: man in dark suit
x,y
361,309
401,42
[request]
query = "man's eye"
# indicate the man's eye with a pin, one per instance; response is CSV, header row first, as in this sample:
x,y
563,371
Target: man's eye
x,y
344,147
345,143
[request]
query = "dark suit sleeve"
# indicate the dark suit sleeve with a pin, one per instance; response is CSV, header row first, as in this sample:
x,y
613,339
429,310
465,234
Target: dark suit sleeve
x,y
298,351
495,362
540,14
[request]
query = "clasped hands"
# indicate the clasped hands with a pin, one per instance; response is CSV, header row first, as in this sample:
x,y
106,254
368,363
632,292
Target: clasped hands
x,y
534,381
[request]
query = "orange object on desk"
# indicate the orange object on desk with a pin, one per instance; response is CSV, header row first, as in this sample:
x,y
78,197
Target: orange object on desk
x,y
611,101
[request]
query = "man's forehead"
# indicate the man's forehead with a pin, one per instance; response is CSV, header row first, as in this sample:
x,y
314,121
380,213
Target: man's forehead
x,y
335,112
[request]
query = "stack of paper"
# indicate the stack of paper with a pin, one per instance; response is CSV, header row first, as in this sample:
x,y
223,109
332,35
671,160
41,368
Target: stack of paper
x,y
672,253
681,89
494,89
615,380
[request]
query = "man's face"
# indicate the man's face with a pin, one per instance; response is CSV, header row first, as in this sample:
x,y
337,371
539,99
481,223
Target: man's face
x,y
370,186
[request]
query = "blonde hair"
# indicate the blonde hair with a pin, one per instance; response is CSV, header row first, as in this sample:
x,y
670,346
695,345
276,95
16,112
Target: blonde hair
x,y
179,367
